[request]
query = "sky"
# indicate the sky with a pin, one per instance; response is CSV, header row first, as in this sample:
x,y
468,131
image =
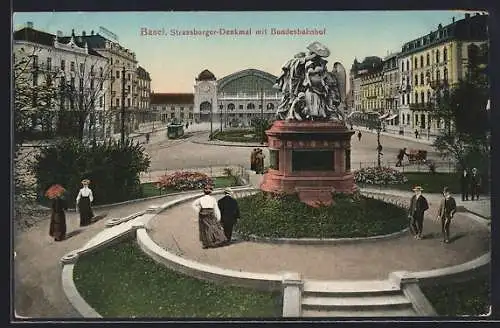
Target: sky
x,y
174,61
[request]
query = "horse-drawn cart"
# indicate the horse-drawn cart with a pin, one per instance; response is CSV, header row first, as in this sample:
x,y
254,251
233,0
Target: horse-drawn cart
x,y
417,156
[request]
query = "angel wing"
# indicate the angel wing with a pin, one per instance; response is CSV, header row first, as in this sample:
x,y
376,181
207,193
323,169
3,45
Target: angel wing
x,y
340,74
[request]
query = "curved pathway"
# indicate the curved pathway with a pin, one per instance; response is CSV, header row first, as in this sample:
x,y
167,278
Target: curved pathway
x,y
176,230
38,288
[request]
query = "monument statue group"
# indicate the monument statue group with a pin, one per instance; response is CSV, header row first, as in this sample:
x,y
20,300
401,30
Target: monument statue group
x,y
310,91
309,143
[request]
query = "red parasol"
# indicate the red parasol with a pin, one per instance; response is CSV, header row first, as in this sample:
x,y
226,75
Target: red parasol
x,y
55,191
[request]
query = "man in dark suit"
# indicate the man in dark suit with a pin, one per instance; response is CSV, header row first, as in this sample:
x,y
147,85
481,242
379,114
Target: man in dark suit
x,y
475,183
465,184
446,211
418,205
230,212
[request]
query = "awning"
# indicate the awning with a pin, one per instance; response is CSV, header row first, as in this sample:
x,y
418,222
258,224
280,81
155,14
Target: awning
x,y
392,117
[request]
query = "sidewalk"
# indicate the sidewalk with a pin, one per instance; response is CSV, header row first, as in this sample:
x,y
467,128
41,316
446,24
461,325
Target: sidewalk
x,y
422,139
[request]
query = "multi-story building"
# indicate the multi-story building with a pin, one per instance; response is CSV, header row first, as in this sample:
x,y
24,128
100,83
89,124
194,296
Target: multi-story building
x,y
143,90
433,63
76,69
355,87
123,88
236,98
173,107
391,86
367,84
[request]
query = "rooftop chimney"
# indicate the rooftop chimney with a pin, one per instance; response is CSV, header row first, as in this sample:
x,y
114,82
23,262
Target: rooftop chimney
x,y
467,16
29,24
72,32
92,32
84,34
453,19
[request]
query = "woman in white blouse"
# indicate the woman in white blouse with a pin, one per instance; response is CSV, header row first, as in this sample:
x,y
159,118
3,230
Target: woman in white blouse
x,y
83,202
210,228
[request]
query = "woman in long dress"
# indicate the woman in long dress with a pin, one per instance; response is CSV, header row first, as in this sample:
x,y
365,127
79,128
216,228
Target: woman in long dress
x,y
83,202
57,227
210,228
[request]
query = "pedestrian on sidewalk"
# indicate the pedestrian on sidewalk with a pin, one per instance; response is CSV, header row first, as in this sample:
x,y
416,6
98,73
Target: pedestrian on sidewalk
x,y
402,153
465,184
209,216
475,183
416,134
57,228
259,161
147,137
253,154
359,135
187,125
418,205
447,209
230,213
84,203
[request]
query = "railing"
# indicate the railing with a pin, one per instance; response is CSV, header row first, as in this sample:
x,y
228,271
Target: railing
x,y
238,171
440,166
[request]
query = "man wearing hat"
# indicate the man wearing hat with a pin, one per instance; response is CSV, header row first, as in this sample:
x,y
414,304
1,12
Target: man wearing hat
x,y
418,205
446,211
230,212
475,183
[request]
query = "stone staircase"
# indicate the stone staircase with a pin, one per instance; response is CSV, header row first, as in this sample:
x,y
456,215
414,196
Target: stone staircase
x,y
354,299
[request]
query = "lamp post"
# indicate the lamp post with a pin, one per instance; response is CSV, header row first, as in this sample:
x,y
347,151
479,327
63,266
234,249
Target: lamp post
x,y
220,113
123,107
376,122
211,120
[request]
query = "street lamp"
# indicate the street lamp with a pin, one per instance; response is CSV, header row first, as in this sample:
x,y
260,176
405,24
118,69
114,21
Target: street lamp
x,y
211,120
376,122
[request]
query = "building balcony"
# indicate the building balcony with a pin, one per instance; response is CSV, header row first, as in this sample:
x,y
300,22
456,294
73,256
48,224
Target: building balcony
x,y
438,84
422,107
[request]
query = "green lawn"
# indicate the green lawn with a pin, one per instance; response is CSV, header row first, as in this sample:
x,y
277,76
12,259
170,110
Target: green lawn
x,y
237,136
432,183
149,189
120,281
287,217
467,298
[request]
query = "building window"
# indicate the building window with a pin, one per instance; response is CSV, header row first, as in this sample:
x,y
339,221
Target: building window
x,y
100,101
438,75
250,106
416,97
445,74
82,68
445,54
407,65
128,102
422,97
49,63
402,66
81,84
230,106
72,82
117,74
415,66
182,108
421,78
428,95
92,84
422,61
128,76
416,79
63,64
437,56
72,66
117,102
240,106
428,59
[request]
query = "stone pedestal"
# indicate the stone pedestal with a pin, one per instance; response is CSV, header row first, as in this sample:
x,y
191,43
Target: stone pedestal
x,y
311,158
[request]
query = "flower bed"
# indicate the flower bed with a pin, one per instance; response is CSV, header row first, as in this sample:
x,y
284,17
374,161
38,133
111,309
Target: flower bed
x,y
182,180
379,176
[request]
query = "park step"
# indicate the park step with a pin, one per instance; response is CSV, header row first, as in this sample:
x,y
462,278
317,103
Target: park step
x,y
355,302
364,313
350,288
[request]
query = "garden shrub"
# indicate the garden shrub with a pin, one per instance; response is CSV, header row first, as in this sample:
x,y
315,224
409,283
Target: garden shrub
x,y
379,176
183,180
112,168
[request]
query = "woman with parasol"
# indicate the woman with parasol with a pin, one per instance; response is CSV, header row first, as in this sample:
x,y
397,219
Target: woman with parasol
x,y
57,217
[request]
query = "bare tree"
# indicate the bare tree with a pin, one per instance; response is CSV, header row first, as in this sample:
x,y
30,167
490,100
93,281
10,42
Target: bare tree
x,y
85,89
